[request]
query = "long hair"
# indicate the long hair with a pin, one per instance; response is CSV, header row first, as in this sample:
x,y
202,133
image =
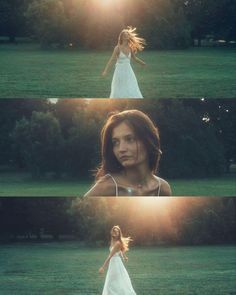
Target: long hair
x,y
135,43
144,130
123,240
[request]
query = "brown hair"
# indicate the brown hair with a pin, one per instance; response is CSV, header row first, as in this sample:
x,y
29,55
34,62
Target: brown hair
x,y
135,43
145,131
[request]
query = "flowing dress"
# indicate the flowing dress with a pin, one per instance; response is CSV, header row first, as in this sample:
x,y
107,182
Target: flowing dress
x,y
124,83
117,279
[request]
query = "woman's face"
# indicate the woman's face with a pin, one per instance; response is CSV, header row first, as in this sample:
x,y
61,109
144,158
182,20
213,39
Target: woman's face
x,y
127,148
125,36
115,233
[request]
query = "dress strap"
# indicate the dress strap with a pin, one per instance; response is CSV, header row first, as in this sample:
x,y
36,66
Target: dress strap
x,y
159,185
116,186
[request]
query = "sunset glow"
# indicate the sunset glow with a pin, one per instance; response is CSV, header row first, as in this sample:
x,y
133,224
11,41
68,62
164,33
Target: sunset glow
x,y
151,219
106,2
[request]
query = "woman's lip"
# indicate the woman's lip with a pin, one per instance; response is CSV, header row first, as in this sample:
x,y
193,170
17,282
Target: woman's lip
x,y
124,158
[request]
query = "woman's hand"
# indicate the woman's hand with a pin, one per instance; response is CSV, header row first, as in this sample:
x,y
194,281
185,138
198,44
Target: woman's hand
x,y
104,73
101,270
126,258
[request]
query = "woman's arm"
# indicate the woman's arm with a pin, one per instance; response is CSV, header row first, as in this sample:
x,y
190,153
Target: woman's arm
x,y
137,60
116,248
111,60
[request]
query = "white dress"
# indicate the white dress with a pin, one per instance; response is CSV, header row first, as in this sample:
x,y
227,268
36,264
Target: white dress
x,y
124,83
117,279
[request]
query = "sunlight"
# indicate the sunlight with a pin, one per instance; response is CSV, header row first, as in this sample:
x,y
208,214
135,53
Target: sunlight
x,y
151,202
154,220
106,2
116,4
53,100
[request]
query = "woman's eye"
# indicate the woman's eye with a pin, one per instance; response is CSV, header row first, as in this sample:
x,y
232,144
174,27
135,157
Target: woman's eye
x,y
130,139
115,142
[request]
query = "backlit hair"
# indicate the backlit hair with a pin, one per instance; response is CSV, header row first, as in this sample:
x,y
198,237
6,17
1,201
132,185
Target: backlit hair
x,y
123,240
135,43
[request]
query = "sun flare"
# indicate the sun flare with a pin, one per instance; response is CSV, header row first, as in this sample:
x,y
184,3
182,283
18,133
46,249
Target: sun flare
x,y
106,2
151,202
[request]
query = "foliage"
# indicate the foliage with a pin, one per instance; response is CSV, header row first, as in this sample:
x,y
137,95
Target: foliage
x,y
40,143
96,24
82,144
47,17
167,26
149,221
12,22
188,142
64,138
153,221
212,17
35,217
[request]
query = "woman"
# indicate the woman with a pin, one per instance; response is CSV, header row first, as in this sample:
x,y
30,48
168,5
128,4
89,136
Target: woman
x,y
124,83
130,158
117,278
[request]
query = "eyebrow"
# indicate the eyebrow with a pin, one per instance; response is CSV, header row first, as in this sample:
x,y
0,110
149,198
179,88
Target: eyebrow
x,y
126,135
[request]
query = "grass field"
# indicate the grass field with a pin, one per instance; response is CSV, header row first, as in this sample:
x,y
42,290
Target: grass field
x,y
20,184
66,268
29,72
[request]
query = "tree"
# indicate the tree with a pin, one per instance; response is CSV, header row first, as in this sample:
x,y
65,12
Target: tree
x,y
39,141
211,17
48,20
165,25
82,145
11,111
190,146
12,21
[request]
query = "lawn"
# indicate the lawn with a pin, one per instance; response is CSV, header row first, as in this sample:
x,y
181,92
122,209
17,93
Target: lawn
x,y
21,184
29,72
67,268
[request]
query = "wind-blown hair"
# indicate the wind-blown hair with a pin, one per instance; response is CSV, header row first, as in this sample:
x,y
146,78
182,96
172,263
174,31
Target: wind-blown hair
x,y
135,43
123,240
144,130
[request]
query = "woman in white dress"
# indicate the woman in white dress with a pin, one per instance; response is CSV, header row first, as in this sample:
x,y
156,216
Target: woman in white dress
x,y
130,158
124,83
117,279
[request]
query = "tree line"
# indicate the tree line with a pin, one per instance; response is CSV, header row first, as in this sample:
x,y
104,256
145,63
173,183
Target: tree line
x,y
63,139
92,24
158,221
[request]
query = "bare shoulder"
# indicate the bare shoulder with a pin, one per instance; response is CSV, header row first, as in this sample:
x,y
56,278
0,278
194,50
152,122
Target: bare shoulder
x,y
116,49
103,187
165,188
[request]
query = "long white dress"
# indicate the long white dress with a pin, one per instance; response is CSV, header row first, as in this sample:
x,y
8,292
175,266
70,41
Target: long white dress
x,y
124,83
117,279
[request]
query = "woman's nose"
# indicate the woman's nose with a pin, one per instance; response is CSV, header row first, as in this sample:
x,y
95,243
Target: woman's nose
x,y
122,146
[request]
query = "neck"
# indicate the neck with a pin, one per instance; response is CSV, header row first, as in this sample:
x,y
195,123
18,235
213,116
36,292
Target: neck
x,y
125,43
138,175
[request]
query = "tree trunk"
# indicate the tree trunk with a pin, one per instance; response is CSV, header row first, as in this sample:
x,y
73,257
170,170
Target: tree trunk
x,y
199,42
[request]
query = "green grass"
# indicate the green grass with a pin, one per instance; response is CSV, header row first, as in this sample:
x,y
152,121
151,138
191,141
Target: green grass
x,y
29,72
223,186
21,184
66,268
